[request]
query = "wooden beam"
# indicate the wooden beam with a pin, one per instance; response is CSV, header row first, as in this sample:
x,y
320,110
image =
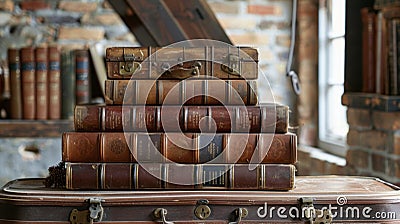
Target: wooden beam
x,y
163,22
150,21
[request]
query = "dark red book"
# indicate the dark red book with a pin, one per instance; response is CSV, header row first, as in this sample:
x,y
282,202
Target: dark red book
x,y
82,76
179,148
260,118
368,17
112,176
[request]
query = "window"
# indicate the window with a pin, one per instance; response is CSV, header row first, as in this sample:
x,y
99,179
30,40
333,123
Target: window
x,y
333,126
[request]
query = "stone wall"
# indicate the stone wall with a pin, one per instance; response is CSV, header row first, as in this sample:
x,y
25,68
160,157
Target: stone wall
x,y
264,24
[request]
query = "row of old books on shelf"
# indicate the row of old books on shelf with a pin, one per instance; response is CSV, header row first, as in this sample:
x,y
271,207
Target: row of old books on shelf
x,y
46,82
140,140
380,48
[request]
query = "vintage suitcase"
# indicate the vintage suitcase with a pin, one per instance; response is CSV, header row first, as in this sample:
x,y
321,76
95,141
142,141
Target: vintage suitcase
x,y
177,62
316,199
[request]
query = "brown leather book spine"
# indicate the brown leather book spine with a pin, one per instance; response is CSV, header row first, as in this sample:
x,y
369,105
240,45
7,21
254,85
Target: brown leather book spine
x,y
393,57
14,65
179,176
149,176
41,82
54,86
263,177
202,62
82,147
28,82
95,147
384,79
116,118
264,118
117,176
171,147
261,148
189,92
180,149
112,176
90,118
368,50
82,76
277,177
274,118
83,176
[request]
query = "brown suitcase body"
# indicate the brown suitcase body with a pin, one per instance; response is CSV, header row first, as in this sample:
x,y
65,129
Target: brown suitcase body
x,y
321,199
182,62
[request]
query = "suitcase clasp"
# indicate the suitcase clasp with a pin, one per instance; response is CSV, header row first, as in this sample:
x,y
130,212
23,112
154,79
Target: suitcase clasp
x,y
239,213
93,214
95,209
314,215
162,213
232,65
128,68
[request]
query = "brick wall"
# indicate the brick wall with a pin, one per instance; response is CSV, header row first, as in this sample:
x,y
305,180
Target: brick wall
x,y
374,143
264,24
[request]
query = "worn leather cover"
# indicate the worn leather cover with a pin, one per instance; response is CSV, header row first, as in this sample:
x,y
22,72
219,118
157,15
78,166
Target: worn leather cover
x,y
92,176
27,201
41,82
179,92
54,85
14,65
182,63
97,147
28,82
264,118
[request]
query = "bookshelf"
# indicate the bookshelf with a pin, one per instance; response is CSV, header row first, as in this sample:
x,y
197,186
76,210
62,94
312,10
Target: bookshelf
x,y
34,128
51,125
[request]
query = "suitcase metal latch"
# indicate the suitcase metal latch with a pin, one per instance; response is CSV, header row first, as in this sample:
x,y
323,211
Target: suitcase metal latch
x,y
239,213
128,68
161,213
313,215
93,214
232,65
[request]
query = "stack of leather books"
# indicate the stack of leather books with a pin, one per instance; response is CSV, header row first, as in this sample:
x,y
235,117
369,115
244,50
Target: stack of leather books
x,y
180,118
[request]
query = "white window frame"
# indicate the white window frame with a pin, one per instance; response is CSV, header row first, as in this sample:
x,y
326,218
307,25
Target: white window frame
x,y
331,143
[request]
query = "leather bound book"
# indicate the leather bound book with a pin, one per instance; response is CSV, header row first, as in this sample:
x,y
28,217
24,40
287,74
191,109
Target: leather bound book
x,y
54,85
117,176
172,147
68,83
181,63
260,118
82,76
368,50
96,176
393,57
179,92
27,55
397,24
14,65
383,65
41,54
389,49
